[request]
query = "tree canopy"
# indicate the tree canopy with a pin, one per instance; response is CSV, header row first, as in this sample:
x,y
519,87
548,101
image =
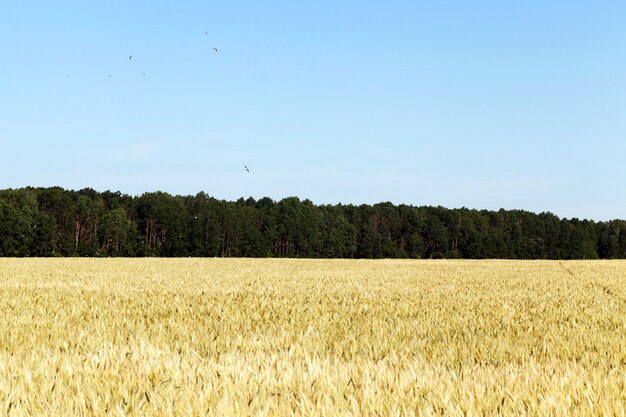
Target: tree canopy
x,y
58,222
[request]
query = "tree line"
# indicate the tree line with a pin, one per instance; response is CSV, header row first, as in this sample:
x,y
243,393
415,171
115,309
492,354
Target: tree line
x,y
58,222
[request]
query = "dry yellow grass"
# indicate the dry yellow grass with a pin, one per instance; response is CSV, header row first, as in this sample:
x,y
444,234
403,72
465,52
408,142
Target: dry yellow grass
x,y
307,337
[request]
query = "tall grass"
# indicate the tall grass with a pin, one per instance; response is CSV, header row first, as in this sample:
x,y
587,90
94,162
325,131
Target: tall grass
x,y
312,337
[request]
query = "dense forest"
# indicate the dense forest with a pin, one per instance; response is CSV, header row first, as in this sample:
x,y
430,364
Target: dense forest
x,y
58,222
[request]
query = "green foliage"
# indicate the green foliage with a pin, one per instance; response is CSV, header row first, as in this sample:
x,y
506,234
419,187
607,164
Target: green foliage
x,y
15,231
116,232
58,222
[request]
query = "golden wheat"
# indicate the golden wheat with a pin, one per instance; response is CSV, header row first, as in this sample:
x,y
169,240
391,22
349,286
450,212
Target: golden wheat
x,y
312,337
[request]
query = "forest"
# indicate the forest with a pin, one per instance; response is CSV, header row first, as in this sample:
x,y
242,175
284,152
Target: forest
x,y
45,222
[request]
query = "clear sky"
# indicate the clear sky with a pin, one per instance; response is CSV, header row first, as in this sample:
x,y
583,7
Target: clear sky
x,y
482,104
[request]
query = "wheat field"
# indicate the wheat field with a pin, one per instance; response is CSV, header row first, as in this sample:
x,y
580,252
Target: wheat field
x,y
262,337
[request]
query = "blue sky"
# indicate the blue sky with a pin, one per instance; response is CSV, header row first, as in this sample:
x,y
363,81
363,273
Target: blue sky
x,y
482,104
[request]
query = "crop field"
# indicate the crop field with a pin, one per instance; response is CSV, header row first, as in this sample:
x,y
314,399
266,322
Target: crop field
x,y
262,337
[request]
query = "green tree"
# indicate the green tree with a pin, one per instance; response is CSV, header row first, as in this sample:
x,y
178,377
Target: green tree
x,y
15,231
117,231
59,204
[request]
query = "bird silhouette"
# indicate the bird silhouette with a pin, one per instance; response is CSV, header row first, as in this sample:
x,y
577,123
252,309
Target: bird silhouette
x,y
246,168
130,57
215,49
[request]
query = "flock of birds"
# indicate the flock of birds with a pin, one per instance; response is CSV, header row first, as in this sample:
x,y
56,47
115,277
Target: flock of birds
x,y
130,57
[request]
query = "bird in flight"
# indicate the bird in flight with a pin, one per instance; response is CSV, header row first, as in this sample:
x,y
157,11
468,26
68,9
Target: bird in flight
x,y
130,57
246,168
206,33
215,49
